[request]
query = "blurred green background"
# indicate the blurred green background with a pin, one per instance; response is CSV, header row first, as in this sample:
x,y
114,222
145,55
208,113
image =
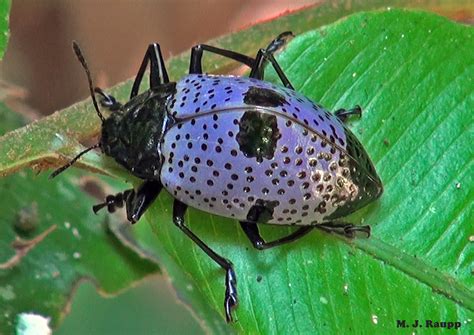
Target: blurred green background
x,y
149,308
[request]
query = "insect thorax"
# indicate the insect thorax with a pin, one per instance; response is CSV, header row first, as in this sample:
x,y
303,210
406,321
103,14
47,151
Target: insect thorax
x,y
132,135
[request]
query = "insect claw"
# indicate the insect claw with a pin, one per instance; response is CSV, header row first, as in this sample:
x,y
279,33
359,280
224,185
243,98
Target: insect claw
x,y
365,229
279,42
231,300
98,207
350,231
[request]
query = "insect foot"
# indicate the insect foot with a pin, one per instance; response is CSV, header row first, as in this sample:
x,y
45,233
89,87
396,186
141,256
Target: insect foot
x,y
347,230
230,301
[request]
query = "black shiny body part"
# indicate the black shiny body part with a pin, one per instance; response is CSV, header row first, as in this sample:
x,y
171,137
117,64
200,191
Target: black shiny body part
x,y
132,135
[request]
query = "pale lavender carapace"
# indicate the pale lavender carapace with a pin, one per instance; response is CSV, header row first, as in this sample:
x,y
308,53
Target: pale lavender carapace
x,y
314,167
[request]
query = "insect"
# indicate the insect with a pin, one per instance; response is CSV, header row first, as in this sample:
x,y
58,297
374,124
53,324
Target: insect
x,y
237,147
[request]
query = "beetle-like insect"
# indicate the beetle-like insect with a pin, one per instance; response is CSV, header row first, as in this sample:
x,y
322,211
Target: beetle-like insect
x,y
237,147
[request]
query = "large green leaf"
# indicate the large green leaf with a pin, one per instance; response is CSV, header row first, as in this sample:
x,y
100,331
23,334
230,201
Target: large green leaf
x,y
302,287
412,72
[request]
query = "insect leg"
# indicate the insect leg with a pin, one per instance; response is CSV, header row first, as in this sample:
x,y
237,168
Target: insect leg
x,y
112,202
258,69
107,101
345,229
342,113
158,74
230,300
136,202
279,42
251,230
197,51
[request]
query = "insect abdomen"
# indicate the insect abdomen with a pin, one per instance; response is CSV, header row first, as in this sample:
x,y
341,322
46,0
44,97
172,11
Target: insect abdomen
x,y
251,164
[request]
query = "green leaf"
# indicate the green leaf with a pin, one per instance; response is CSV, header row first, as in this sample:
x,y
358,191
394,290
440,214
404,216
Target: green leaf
x,y
4,17
412,72
74,245
302,287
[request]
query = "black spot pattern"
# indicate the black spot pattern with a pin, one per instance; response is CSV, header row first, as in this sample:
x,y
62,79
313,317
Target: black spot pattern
x,y
262,211
258,135
264,97
282,164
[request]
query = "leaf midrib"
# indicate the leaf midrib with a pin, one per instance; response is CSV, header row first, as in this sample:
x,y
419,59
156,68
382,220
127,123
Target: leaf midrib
x,y
440,282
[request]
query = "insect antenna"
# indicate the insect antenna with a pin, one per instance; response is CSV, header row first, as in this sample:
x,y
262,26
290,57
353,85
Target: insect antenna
x,y
80,57
72,161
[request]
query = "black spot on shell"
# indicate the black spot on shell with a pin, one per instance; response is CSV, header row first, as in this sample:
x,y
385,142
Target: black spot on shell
x,y
257,96
258,135
261,211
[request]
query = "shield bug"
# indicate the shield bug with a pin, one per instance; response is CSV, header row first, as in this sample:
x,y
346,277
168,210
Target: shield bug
x,y
238,147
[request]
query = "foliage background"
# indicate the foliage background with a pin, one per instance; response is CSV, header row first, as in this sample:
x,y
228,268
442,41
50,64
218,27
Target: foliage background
x,y
51,90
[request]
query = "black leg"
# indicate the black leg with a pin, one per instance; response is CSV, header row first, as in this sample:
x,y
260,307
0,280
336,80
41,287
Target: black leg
x,y
195,65
136,203
342,113
197,52
258,70
158,74
279,42
230,300
107,101
261,61
251,230
112,202
345,229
